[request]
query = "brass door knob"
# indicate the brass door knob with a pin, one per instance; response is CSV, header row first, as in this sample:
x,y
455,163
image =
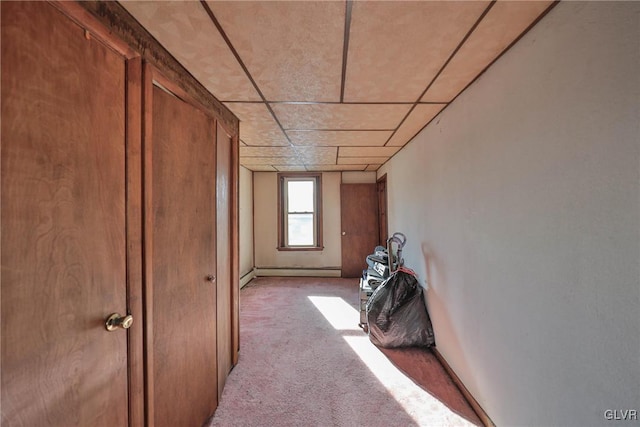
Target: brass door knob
x,y
116,321
211,278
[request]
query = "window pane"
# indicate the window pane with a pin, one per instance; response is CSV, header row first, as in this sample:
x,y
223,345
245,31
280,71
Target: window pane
x,y
300,230
300,196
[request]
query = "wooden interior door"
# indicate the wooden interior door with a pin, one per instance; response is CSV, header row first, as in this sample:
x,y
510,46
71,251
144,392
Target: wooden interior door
x,y
63,223
359,217
223,211
183,261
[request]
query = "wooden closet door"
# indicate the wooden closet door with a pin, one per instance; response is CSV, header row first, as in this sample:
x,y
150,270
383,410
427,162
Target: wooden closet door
x,y
183,234
225,359
63,223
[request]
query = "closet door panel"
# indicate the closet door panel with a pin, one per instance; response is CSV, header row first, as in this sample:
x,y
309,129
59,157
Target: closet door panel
x,y
183,263
63,223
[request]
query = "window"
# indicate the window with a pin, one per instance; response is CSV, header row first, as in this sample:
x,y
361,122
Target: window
x,y
300,211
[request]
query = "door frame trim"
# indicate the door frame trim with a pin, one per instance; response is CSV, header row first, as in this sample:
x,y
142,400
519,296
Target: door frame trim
x,y
132,38
379,181
134,239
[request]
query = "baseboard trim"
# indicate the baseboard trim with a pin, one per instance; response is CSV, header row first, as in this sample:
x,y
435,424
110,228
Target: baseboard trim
x,y
244,280
484,417
298,272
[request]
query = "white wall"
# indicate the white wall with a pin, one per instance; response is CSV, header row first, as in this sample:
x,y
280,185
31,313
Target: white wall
x,y
246,221
266,227
521,202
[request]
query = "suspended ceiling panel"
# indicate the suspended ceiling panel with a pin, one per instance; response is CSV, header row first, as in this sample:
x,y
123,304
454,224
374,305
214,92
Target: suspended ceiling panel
x,y
257,125
289,168
339,138
396,48
331,85
318,155
368,151
420,116
341,116
260,168
268,151
328,168
362,160
504,23
293,50
271,161
185,30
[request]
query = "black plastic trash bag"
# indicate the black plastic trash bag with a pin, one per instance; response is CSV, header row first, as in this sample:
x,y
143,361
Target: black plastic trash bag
x,y
397,315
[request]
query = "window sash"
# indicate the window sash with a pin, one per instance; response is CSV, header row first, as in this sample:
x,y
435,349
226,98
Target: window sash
x,y
301,230
292,221
291,229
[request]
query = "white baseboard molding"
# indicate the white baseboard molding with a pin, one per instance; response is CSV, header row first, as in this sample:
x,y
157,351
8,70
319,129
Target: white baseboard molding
x,y
247,278
484,417
298,272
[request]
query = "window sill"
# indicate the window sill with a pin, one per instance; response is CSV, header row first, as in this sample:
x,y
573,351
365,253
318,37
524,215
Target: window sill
x,y
300,248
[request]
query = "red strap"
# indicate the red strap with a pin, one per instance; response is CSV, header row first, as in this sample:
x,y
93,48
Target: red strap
x,y
407,270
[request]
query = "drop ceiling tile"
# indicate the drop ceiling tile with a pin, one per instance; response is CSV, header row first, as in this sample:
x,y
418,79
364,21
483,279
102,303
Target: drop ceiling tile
x,y
289,168
361,160
327,168
396,48
339,138
186,31
293,50
420,116
317,155
373,167
498,29
340,116
271,161
257,126
368,151
259,168
268,152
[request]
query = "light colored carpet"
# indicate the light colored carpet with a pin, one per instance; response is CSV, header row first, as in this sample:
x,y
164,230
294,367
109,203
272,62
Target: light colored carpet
x,y
305,362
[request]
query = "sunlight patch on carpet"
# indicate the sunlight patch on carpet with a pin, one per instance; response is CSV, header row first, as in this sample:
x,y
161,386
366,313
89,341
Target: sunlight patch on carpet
x,y
424,408
421,406
338,312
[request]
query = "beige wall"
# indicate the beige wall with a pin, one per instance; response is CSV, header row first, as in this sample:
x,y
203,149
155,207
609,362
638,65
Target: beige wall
x,y
266,226
246,221
521,204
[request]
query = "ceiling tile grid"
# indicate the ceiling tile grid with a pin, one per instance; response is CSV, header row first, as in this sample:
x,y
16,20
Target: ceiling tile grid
x,y
396,48
420,116
185,30
501,26
362,160
292,49
339,138
257,125
334,85
340,116
336,168
368,151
